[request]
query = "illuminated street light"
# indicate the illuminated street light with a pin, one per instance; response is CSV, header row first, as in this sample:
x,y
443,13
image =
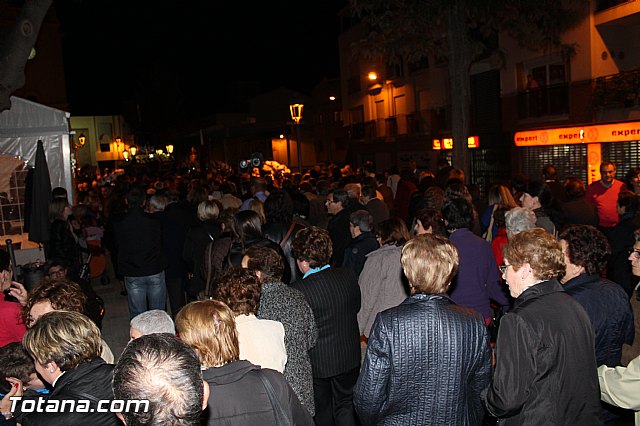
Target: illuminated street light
x,y
296,115
169,149
134,150
372,75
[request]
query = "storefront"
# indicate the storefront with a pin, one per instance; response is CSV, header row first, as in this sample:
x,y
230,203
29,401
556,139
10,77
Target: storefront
x,y
578,151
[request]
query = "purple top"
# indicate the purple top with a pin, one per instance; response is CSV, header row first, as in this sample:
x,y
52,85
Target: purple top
x,y
478,278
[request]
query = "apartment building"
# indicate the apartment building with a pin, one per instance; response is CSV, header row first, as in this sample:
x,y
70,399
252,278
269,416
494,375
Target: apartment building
x,y
573,107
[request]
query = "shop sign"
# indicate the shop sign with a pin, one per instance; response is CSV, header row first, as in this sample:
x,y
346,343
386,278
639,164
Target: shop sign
x,y
619,132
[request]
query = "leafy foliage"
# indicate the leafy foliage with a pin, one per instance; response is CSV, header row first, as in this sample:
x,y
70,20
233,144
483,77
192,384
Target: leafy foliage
x,y
414,28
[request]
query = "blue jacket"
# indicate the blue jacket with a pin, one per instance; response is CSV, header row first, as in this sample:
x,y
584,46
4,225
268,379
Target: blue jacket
x,y
609,310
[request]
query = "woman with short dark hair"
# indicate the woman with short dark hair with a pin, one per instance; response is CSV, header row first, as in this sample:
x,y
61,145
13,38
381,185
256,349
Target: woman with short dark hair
x,y
334,297
586,250
622,240
381,280
261,341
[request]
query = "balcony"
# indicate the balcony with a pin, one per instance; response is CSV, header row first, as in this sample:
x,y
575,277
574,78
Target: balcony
x,y
621,90
544,102
389,128
617,97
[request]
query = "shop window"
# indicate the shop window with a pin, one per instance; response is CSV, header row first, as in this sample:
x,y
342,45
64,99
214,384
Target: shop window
x,y
623,154
570,160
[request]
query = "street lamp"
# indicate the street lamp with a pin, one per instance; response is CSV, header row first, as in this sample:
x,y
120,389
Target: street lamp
x,y
169,149
133,150
296,115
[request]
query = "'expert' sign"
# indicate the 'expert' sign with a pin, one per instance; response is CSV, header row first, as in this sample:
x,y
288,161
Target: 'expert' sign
x,y
619,132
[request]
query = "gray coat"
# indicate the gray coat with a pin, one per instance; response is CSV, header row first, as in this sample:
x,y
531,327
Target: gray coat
x,y
282,303
381,285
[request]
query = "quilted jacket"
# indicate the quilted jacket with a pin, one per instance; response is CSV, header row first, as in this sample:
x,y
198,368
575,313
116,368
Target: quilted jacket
x,y
427,362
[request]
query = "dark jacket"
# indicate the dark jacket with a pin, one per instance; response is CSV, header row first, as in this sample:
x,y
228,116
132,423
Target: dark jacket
x,y
427,362
545,370
609,310
176,220
276,233
63,245
379,211
139,239
340,236
622,240
334,297
356,252
195,244
91,378
580,212
238,397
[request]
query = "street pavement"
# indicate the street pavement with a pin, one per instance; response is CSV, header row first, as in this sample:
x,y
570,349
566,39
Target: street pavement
x,y
115,325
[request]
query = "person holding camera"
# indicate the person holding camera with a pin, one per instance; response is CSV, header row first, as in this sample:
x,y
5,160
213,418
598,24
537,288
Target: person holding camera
x,y
11,326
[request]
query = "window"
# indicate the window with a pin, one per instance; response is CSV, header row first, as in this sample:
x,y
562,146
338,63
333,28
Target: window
x,y
353,85
419,64
544,88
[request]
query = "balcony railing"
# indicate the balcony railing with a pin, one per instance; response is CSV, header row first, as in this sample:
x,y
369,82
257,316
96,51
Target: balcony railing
x,y
403,124
543,102
617,91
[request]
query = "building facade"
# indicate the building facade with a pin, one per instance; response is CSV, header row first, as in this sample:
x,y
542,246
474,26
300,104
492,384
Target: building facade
x,y
595,81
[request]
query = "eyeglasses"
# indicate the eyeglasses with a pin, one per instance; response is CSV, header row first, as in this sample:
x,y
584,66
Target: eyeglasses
x,y
503,268
634,252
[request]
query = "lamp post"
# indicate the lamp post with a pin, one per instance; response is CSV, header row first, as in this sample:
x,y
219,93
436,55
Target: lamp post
x,y
296,115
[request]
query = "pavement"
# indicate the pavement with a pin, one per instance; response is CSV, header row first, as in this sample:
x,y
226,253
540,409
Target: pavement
x,y
115,325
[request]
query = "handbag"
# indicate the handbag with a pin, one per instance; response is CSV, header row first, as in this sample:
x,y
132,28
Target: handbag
x,y
282,418
488,235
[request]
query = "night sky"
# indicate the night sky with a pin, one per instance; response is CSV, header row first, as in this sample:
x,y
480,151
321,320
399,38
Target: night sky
x,y
179,60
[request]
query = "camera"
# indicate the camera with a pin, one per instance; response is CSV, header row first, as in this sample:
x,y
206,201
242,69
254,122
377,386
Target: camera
x,y
256,161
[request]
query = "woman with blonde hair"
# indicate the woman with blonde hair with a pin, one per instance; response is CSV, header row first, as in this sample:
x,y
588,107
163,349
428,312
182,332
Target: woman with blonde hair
x,y
241,393
66,349
428,360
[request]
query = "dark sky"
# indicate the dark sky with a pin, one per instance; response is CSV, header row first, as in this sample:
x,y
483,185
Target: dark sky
x,y
180,59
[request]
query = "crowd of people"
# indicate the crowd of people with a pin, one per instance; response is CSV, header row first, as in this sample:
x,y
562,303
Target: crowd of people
x,y
337,296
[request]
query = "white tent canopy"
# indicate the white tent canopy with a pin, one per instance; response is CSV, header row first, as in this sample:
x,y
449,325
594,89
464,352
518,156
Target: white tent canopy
x,y
22,126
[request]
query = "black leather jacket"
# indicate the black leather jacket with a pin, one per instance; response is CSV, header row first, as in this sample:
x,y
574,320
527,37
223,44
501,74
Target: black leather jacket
x,y
427,362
